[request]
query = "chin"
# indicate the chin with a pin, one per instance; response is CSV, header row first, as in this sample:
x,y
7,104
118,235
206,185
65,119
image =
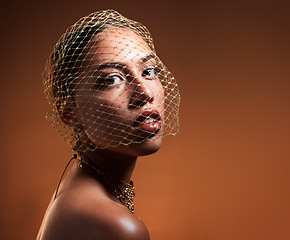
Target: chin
x,y
148,147
140,149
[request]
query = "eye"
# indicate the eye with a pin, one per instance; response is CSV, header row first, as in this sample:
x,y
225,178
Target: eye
x,y
109,80
150,73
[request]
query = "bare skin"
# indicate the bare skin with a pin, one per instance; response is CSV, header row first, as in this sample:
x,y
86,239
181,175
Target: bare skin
x,y
85,209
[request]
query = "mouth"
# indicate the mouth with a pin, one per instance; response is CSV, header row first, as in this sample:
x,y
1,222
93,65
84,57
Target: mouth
x,y
149,122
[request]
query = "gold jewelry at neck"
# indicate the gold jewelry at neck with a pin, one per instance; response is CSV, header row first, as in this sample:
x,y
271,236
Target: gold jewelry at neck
x,y
123,191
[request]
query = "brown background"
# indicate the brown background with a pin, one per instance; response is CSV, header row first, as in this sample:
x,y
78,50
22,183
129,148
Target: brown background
x,y
224,177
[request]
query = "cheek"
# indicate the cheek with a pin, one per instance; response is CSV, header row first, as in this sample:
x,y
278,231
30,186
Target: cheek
x,y
103,112
105,121
100,106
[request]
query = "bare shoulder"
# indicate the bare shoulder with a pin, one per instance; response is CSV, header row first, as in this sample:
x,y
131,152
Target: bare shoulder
x,y
92,219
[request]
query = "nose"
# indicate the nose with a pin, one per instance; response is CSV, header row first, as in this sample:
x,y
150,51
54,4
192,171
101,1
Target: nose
x,y
141,93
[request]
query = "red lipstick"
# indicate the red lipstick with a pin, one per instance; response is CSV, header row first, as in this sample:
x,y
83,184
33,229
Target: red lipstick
x,y
149,121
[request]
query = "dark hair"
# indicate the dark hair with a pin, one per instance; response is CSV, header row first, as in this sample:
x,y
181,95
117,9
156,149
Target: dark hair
x,y
67,56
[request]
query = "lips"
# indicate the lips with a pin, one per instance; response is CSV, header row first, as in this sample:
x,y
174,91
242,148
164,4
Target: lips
x,y
149,121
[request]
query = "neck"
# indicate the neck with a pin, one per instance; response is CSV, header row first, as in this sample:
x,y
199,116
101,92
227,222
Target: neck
x,y
116,164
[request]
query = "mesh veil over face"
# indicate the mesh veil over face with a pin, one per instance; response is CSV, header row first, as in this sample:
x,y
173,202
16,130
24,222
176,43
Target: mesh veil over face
x,y
106,86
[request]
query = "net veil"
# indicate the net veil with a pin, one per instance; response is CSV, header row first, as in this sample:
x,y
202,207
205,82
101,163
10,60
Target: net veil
x,y
106,86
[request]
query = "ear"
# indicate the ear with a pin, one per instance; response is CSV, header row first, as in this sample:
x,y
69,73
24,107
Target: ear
x,y
67,112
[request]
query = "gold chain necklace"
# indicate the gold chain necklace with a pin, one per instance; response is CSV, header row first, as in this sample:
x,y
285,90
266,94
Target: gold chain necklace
x,y
123,191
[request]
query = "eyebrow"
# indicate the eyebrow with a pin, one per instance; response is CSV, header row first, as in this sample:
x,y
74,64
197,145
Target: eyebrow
x,y
111,65
147,58
121,66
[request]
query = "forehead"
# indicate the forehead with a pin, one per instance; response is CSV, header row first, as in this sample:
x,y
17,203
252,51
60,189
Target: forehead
x,y
118,44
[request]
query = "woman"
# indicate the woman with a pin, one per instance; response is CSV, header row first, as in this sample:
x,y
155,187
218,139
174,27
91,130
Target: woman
x,y
113,100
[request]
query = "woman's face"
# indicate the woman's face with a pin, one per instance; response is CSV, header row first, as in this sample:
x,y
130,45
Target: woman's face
x,y
118,96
